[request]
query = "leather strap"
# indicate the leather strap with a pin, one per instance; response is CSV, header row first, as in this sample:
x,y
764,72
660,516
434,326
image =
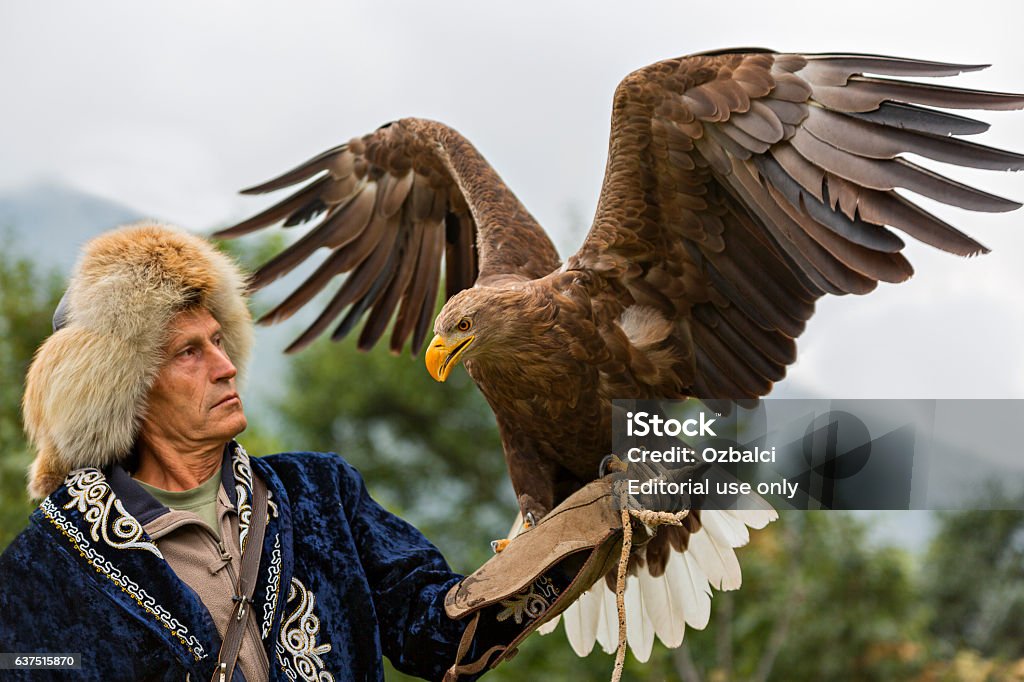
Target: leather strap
x,y
246,584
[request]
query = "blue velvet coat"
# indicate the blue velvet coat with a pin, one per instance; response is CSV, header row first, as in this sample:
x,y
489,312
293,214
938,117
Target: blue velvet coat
x,y
342,582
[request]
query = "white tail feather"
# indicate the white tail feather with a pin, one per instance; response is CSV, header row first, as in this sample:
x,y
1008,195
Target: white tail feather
x,y
726,529
608,625
517,526
663,608
756,518
718,561
549,627
692,585
665,605
639,631
581,620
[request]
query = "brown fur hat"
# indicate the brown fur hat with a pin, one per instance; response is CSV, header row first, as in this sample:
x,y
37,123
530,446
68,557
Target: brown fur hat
x,y
85,394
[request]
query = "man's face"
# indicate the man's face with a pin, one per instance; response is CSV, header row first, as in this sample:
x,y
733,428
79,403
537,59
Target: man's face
x,y
193,401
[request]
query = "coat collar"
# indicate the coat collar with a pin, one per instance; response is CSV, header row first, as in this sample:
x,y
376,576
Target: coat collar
x,y
97,518
144,507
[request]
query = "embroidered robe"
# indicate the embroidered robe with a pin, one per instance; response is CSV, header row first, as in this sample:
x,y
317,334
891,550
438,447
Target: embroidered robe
x,y
341,583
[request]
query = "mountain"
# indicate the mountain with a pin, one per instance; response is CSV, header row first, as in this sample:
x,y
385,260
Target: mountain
x,y
50,221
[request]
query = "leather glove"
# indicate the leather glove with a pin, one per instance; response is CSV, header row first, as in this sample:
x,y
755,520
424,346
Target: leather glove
x,y
537,576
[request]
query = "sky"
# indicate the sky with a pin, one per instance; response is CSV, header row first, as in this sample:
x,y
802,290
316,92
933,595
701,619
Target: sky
x,y
171,108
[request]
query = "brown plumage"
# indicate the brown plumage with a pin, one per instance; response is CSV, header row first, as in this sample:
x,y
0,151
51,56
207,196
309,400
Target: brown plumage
x,y
740,187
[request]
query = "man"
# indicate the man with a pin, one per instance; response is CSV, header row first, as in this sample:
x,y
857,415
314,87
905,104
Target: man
x,y
146,556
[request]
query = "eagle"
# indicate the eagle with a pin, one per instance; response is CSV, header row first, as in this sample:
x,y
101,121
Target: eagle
x,y
741,186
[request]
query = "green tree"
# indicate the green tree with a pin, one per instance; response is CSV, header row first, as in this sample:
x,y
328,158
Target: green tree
x,y
974,577
28,297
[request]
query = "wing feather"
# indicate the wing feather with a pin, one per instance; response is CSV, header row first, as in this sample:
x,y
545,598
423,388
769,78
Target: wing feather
x,y
422,178
861,138
304,203
890,174
339,161
921,119
743,186
422,291
337,230
406,256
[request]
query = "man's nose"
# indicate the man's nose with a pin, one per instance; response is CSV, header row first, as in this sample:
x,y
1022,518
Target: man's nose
x,y
222,368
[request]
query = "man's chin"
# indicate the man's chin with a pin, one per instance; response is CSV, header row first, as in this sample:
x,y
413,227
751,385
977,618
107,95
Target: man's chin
x,y
244,423
234,425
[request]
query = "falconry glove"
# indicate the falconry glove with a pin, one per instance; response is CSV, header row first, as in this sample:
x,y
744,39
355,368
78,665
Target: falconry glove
x,y
537,576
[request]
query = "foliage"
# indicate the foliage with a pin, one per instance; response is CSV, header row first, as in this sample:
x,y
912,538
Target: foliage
x,y
28,298
974,577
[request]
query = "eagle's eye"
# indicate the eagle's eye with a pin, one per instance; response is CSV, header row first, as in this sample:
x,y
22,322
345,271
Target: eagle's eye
x,y
464,325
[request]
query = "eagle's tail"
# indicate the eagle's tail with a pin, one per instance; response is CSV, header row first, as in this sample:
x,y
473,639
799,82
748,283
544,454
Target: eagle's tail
x,y
663,606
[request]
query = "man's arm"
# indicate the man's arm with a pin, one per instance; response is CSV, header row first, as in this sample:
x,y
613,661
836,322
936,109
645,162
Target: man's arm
x,y
537,576
409,579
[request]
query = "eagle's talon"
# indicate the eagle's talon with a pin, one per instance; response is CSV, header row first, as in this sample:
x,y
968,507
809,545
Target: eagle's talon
x,y
529,521
499,545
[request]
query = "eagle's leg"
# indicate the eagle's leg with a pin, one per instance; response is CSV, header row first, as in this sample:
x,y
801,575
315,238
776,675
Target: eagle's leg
x,y
533,509
534,479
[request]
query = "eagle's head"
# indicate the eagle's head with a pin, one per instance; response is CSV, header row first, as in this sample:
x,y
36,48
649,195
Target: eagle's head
x,y
479,323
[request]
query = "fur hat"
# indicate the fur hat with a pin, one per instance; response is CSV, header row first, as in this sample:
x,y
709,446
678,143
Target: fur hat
x,y
85,393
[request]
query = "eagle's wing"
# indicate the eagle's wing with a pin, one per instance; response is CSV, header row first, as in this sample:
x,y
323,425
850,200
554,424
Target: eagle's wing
x,y
741,187
392,203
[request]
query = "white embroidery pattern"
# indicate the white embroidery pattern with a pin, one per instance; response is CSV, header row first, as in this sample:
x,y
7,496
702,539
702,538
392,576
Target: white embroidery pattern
x,y
271,505
91,495
273,578
298,639
127,585
243,485
529,603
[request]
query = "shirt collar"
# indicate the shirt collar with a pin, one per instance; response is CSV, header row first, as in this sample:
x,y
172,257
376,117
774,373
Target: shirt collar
x,y
144,506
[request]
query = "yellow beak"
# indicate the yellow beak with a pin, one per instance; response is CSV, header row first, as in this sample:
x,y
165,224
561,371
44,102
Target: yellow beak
x,y
441,359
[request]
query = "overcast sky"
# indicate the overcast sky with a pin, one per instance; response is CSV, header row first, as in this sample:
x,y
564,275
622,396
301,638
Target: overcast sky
x,y
170,108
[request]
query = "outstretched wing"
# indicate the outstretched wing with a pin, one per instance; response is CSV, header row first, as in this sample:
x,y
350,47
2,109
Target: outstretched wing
x,y
392,203
741,187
